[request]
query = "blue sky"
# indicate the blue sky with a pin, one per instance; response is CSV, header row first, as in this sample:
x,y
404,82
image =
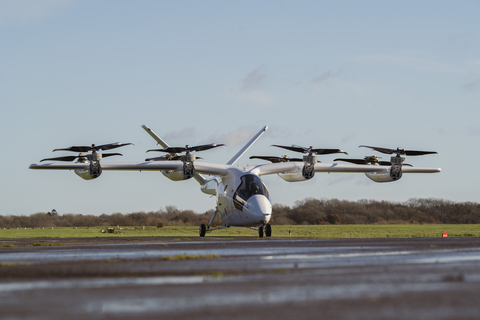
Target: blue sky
x,y
327,74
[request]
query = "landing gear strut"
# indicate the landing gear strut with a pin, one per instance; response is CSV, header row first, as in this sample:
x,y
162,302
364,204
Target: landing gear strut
x,y
204,228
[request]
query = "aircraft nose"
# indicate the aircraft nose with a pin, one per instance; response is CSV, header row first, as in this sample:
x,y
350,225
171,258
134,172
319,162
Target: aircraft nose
x,y
260,206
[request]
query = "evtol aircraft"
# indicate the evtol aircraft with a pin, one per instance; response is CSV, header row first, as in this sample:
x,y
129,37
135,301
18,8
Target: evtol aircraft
x,y
243,200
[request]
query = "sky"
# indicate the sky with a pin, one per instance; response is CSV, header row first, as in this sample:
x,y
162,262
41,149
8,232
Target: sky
x,y
328,74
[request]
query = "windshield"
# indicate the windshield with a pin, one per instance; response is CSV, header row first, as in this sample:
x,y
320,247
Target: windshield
x,y
250,185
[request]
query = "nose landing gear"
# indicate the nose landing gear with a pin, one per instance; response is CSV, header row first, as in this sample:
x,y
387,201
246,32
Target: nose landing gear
x,y
265,228
268,230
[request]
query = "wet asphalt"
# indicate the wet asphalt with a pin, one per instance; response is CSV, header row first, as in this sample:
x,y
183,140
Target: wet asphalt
x,y
251,278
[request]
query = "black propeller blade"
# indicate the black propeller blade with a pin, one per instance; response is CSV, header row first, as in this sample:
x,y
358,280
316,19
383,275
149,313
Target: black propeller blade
x,y
104,155
274,159
93,147
67,158
167,158
371,159
310,149
355,161
188,148
80,156
400,151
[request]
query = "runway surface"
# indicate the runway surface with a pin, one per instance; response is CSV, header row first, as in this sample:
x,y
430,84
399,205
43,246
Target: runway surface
x,y
241,278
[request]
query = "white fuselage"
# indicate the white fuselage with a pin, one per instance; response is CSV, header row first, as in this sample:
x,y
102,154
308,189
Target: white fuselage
x,y
243,199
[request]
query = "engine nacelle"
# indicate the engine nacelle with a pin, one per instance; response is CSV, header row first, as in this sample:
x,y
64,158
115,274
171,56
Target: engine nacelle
x,y
94,171
396,168
393,173
306,172
387,175
383,176
176,175
187,172
294,176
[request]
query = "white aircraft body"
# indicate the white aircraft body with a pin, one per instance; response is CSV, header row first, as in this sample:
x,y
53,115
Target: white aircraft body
x,y
243,200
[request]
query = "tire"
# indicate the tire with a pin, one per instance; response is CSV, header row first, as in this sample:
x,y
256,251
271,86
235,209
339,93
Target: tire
x,y
260,231
203,230
268,230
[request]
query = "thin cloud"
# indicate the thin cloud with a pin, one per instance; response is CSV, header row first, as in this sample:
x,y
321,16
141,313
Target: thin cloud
x,y
417,63
19,12
473,131
236,137
253,80
460,42
324,77
258,97
471,86
252,89
347,137
282,133
184,136
442,131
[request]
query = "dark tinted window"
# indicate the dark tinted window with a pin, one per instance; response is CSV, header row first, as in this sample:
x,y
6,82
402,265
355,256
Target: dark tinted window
x,y
250,185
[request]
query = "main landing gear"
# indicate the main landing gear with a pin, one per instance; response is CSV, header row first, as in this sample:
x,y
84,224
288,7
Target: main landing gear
x,y
203,230
267,229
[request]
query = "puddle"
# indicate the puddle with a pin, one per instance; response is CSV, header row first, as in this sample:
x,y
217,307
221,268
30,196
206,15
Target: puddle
x,y
448,259
76,254
281,295
100,283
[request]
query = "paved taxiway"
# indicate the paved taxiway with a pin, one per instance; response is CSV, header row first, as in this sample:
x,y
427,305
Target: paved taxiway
x,y
251,278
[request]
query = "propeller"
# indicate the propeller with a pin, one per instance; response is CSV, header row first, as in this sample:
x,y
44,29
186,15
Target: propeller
x,y
93,156
167,158
400,151
310,150
369,159
108,146
81,157
274,159
187,148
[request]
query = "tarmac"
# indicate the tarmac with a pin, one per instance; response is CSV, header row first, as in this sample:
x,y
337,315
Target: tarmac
x,y
236,278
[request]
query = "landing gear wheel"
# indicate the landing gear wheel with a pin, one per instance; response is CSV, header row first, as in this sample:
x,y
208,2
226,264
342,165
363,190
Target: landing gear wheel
x,y
203,230
260,231
268,230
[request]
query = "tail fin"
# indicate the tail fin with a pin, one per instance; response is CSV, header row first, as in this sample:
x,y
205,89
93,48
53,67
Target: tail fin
x,y
156,137
247,146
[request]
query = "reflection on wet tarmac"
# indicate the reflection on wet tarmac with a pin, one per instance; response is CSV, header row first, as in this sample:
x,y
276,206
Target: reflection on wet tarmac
x,y
292,294
75,254
97,283
349,279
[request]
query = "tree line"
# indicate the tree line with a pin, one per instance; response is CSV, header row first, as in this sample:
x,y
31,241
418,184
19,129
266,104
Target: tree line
x,y
309,211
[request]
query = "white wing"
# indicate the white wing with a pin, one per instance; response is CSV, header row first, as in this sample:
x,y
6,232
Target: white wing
x,y
58,166
200,167
286,167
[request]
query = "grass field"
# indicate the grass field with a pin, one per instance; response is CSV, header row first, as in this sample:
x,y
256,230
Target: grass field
x,y
317,231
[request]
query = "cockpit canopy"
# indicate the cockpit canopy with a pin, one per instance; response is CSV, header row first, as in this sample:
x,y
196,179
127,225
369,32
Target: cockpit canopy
x,y
250,185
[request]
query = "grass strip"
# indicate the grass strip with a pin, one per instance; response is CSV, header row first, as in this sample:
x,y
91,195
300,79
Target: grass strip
x,y
41,244
12,264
